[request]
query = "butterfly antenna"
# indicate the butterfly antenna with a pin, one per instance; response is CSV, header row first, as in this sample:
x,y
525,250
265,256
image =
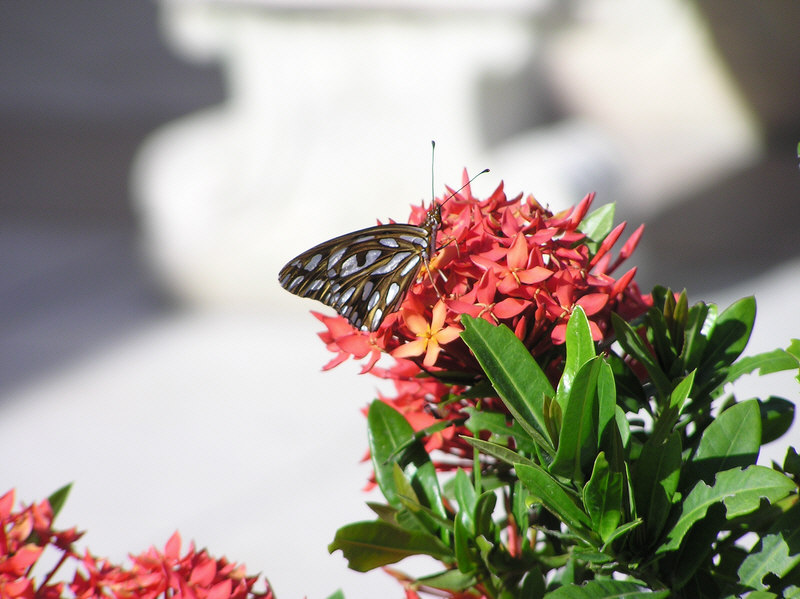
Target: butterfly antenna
x,y
486,170
433,150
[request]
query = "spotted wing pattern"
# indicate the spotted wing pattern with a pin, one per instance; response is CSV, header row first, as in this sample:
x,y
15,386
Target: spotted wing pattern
x,y
364,275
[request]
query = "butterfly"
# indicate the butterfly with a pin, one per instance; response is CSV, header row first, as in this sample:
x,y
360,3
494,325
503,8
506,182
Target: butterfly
x,y
366,274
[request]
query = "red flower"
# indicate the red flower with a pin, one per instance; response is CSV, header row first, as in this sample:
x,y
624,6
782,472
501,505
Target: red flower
x,y
24,536
511,262
193,575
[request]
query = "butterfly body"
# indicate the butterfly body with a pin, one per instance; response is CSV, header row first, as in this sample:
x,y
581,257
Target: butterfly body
x,y
366,274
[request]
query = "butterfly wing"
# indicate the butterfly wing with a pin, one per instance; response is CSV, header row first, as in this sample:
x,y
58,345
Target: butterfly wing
x,y
363,275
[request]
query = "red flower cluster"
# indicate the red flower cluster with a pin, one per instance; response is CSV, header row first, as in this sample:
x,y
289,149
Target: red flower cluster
x,y
25,534
509,261
193,575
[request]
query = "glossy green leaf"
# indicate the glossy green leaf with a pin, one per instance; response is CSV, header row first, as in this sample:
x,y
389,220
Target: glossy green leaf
x,y
732,439
553,497
397,516
388,430
794,350
667,419
699,323
739,490
338,594
516,376
605,589
602,498
403,486
368,545
776,360
495,423
598,224
577,446
623,426
519,505
58,498
606,399
655,480
678,320
500,452
660,339
730,334
621,531
580,349
461,543
484,509
465,497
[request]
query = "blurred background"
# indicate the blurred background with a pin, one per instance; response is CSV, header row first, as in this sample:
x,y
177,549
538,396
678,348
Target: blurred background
x,y
159,162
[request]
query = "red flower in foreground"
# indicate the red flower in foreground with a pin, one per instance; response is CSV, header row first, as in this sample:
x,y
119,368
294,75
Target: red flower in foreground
x,y
26,533
170,574
511,262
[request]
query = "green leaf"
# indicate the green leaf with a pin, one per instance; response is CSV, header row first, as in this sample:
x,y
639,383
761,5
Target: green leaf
x,y
606,400
516,376
519,505
732,439
338,594
777,415
678,320
388,430
691,560
730,334
739,490
660,337
776,360
465,497
496,424
620,531
553,497
699,322
602,498
794,349
577,445
773,555
598,224
368,545
655,480
500,452
605,589
58,498
449,580
484,508
580,349
633,344
461,543
777,552
623,425
533,586
666,421
403,487
791,463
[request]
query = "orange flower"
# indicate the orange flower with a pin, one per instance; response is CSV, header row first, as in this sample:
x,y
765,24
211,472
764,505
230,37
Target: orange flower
x,y
430,337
